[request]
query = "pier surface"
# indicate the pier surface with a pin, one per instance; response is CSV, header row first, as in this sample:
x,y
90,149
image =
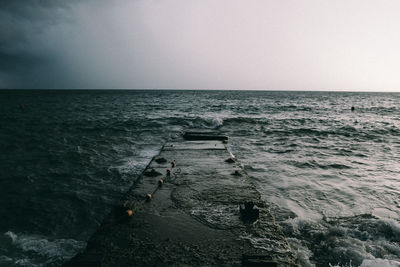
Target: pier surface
x,y
192,218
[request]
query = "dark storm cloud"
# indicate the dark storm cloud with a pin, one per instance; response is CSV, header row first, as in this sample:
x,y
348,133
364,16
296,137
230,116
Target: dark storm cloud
x,y
21,24
32,10
20,20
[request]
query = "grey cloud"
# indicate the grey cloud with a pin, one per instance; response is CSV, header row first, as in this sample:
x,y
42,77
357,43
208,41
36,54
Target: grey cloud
x,y
22,23
21,18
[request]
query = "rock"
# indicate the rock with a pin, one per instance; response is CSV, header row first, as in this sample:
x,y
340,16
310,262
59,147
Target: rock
x,y
160,160
230,160
152,173
248,213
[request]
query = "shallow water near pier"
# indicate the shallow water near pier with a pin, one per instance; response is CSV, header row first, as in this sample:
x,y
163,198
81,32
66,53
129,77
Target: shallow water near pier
x,y
329,174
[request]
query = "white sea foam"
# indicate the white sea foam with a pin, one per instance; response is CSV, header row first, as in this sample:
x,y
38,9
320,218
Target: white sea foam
x,y
303,254
217,216
4,260
137,163
206,122
380,263
349,241
51,249
217,121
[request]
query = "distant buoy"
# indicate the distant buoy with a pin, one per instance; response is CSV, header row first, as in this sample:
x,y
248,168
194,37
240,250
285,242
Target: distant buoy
x,y
160,182
352,108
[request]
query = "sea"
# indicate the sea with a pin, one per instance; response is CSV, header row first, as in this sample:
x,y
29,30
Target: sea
x,y
330,175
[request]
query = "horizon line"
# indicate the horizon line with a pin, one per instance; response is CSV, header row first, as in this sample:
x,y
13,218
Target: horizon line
x,y
199,89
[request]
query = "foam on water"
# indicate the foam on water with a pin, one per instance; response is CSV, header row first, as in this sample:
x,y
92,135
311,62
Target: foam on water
x,y
38,249
380,263
217,216
346,241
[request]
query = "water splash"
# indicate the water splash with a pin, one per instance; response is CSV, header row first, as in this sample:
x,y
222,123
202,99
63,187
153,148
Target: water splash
x,y
39,249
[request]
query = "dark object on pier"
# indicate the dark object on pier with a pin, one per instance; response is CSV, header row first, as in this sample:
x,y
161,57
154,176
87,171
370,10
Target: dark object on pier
x,y
230,160
152,173
236,173
204,136
160,160
248,213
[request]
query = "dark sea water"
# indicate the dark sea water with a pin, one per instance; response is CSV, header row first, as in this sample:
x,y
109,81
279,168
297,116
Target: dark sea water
x,y
332,176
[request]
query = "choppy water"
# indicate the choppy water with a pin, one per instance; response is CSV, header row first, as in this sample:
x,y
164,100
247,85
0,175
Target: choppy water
x,y
331,175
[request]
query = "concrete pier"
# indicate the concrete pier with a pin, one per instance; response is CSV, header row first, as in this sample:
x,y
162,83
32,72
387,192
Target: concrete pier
x,y
201,214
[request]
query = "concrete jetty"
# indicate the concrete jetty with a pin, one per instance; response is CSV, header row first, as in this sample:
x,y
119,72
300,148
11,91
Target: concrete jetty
x,y
194,205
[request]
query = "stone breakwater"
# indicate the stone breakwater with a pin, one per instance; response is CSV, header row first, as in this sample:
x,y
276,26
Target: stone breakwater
x,y
193,205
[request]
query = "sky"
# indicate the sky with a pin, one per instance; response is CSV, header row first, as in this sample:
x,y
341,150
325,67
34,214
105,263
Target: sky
x,y
351,45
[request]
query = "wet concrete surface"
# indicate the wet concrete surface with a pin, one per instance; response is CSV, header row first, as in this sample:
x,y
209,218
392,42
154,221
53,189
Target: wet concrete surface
x,y
192,219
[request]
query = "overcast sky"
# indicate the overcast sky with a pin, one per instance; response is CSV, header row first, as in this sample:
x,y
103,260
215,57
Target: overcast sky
x,y
202,44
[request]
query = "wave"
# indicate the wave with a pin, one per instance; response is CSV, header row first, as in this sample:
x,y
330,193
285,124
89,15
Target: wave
x,y
154,124
326,128
40,249
250,120
314,164
380,263
360,240
205,122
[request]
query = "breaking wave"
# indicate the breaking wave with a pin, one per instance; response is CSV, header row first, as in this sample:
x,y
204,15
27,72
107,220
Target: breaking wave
x,y
29,250
362,240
